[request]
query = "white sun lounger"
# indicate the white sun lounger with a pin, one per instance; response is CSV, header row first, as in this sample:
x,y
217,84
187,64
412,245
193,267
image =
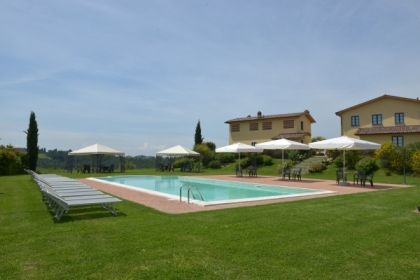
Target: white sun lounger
x,y
62,194
61,205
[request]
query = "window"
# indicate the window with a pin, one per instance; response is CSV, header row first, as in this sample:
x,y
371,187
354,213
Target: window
x,y
253,143
253,126
355,121
266,126
398,141
234,127
377,119
399,117
301,125
289,124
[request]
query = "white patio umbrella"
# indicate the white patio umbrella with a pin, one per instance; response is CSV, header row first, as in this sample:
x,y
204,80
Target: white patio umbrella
x,y
282,144
239,148
345,143
178,151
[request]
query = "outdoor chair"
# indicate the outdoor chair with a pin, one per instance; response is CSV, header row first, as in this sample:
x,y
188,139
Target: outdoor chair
x,y
341,176
252,171
86,168
239,171
286,172
297,174
359,176
369,178
186,168
160,167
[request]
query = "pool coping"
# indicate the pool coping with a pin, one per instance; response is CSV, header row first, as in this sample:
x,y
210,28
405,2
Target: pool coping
x,y
172,206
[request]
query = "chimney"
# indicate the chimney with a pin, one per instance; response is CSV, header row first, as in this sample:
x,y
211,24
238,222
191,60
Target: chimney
x,y
259,114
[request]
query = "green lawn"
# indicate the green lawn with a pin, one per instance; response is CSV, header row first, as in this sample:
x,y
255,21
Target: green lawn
x,y
361,236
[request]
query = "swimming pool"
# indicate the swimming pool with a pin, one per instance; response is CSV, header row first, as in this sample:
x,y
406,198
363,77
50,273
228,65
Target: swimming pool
x,y
212,191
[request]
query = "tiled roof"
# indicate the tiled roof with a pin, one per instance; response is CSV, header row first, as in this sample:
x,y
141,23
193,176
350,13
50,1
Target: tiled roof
x,y
339,113
278,116
290,135
389,130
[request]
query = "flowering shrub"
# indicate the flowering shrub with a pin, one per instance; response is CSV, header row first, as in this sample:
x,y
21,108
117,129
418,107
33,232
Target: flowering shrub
x,y
415,162
316,168
327,161
390,157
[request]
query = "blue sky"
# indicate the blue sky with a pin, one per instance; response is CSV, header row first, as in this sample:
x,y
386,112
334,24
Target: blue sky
x,y
137,76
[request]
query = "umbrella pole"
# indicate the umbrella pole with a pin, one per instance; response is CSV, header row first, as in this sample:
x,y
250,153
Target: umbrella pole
x,y
239,165
344,163
282,161
345,183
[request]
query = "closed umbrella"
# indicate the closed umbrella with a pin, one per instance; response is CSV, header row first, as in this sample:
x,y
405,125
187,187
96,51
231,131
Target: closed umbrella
x,y
345,143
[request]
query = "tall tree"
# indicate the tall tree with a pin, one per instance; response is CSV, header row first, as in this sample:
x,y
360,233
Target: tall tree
x,y
32,142
198,139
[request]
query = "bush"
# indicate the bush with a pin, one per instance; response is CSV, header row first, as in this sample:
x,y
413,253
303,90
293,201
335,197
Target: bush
x,y
12,160
367,164
390,157
327,161
415,162
225,158
180,162
293,155
316,168
352,158
215,164
129,165
333,153
267,160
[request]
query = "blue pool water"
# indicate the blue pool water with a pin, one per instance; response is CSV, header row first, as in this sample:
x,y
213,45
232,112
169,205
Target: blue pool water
x,y
212,191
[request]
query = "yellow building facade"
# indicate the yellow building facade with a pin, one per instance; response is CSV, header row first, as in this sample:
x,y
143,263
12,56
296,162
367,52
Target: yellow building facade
x,y
262,128
386,118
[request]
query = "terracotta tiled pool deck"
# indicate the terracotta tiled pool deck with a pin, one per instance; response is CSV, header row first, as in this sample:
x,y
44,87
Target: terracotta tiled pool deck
x,y
176,207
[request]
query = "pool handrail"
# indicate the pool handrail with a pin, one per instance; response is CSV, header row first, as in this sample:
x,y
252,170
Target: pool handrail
x,y
189,191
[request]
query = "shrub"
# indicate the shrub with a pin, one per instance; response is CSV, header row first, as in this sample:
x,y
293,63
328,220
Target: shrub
x,y
129,165
205,152
367,164
225,158
410,150
215,164
415,162
333,153
338,162
327,161
352,158
389,156
316,168
182,161
267,160
12,160
293,155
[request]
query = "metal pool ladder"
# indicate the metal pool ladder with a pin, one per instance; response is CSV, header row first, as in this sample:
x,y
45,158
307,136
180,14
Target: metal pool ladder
x,y
190,192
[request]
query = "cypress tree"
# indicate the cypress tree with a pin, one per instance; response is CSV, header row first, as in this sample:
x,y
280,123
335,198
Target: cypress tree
x,y
198,139
32,142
